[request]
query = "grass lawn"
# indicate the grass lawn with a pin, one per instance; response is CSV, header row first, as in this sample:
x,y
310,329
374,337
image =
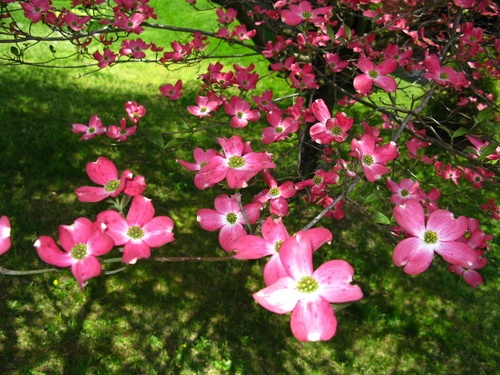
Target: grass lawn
x,y
196,317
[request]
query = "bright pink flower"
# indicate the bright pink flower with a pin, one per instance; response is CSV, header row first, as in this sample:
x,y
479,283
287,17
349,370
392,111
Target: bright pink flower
x,y
329,129
201,158
493,207
439,233
241,112
121,133
245,79
277,195
373,158
135,48
94,128
375,74
180,51
479,146
401,57
34,10
237,165
443,75
140,231
334,62
228,217
303,12
447,171
173,92
319,182
470,274
5,242
264,102
134,111
274,234
204,107
132,24
82,242
429,200
75,22
405,190
307,293
103,172
104,59
241,33
226,17
280,128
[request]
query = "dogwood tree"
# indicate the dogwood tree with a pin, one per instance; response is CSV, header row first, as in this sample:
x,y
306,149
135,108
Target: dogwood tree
x,y
377,91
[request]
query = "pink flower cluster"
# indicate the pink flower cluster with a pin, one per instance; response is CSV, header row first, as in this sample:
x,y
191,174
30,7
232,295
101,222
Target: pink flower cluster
x,y
95,127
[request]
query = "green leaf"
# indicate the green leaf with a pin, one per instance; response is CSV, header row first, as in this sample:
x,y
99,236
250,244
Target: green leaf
x,y
14,51
174,142
460,131
380,218
372,197
52,49
488,150
155,138
347,31
330,32
483,115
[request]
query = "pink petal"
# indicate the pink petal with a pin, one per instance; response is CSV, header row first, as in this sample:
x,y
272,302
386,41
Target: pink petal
x,y
226,204
50,253
135,249
252,247
413,254
102,171
411,217
318,237
91,194
362,83
386,83
280,297
141,211
215,170
274,270
387,66
228,234
85,269
296,256
446,226
252,210
209,219
334,278
231,146
273,230
78,232
158,231
313,320
320,111
116,226
457,253
374,171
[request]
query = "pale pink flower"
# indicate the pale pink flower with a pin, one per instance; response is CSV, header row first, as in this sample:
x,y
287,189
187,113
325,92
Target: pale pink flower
x,y
439,233
308,293
82,242
5,241
139,231
228,217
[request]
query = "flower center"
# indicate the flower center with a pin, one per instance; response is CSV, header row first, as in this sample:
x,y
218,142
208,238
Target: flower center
x,y
236,162
279,129
443,76
277,245
430,237
203,109
373,74
135,232
274,192
306,15
231,218
317,180
91,129
79,251
404,193
307,284
239,114
368,160
111,186
336,130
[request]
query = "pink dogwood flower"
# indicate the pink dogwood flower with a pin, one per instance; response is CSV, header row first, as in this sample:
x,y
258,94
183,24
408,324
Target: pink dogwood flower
x,y
375,74
139,231
103,172
82,243
373,158
405,190
443,75
329,129
135,111
204,107
201,158
277,195
303,12
241,112
135,48
228,217
439,233
308,293
106,58
5,241
173,92
280,128
237,165
121,133
94,128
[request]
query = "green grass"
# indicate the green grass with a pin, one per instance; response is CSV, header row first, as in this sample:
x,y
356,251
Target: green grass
x,y
197,318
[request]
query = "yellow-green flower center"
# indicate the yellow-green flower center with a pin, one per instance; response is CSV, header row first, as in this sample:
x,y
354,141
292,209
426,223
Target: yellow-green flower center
x,y
274,191
135,232
279,129
336,130
111,186
318,180
306,15
277,245
368,160
236,162
405,193
373,74
430,237
231,218
307,284
443,76
79,251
